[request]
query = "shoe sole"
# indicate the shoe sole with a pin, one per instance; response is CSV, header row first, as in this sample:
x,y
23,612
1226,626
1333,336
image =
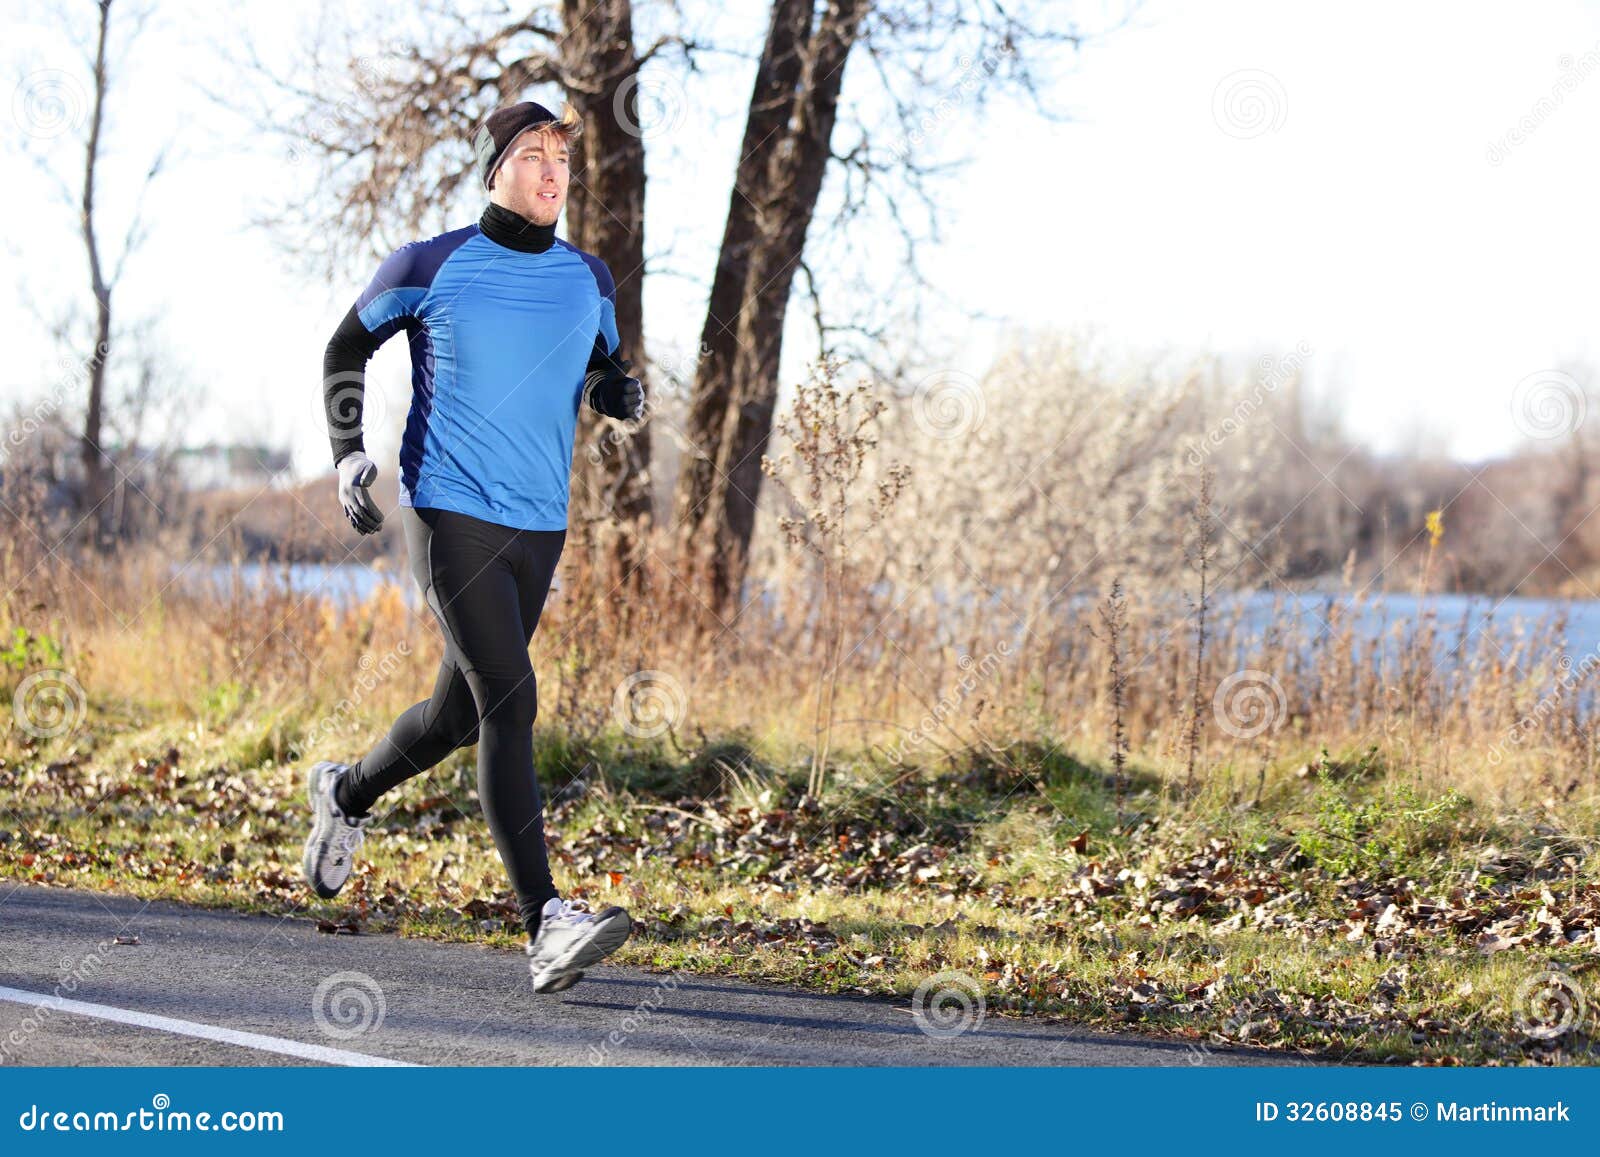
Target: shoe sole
x,y
606,940
559,983
320,818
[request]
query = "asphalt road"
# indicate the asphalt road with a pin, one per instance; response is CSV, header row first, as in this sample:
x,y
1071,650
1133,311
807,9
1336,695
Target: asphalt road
x,y
205,987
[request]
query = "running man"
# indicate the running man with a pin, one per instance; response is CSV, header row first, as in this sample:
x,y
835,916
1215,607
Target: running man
x,y
510,329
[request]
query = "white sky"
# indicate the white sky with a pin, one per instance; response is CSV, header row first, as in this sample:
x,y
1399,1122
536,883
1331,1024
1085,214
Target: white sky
x,y
1367,219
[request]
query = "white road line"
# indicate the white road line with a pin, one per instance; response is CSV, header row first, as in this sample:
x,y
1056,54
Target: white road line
x,y
249,1040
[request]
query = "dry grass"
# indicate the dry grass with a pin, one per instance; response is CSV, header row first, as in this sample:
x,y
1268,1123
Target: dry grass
x,y
955,654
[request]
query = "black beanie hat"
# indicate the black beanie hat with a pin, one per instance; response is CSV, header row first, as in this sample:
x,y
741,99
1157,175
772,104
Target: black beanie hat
x,y
500,128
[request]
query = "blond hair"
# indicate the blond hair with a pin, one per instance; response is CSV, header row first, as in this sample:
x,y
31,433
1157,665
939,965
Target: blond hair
x,y
569,128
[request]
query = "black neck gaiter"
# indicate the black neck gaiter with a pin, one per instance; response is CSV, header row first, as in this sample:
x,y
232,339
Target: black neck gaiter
x,y
515,231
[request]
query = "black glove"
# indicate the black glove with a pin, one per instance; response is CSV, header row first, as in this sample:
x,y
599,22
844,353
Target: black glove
x,y
615,395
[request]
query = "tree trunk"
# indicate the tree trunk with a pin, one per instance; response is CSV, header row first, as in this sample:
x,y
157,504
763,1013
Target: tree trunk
x,y
95,472
605,216
782,163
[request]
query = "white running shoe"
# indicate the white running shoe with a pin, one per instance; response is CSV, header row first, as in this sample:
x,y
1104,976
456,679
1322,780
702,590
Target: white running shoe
x,y
331,846
570,939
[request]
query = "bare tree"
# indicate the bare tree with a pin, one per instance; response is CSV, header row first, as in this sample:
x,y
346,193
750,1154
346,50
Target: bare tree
x,y
919,49
394,151
104,272
392,135
605,216
94,458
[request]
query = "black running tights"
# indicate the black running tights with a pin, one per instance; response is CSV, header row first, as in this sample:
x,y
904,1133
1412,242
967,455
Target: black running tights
x,y
486,585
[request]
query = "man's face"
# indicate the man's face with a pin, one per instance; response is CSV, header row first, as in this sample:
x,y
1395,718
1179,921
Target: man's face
x,y
532,177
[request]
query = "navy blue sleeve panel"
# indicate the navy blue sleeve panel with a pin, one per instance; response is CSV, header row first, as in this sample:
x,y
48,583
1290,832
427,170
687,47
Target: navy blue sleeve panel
x,y
606,371
608,299
402,281
605,365
387,305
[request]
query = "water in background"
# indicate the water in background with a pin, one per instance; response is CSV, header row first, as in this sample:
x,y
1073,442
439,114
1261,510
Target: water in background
x,y
1392,619
1461,622
343,584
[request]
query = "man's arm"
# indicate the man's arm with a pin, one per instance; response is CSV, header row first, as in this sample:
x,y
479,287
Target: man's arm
x,y
609,388
344,382
389,302
606,382
384,307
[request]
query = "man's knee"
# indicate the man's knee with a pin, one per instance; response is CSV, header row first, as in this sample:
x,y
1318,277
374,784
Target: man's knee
x,y
514,705
459,721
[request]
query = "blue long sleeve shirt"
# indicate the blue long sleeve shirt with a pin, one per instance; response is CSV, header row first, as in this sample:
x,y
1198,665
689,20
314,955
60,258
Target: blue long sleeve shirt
x,y
500,340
